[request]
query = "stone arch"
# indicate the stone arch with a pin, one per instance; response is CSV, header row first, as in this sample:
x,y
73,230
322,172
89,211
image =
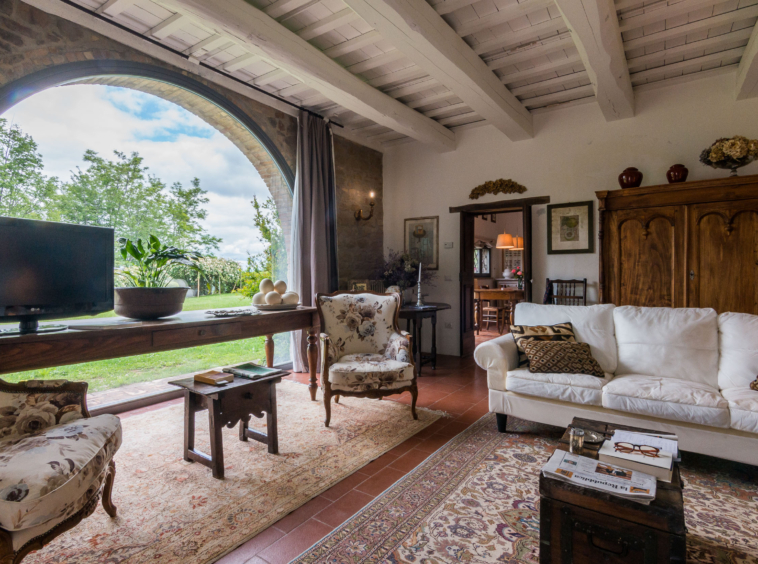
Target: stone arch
x,y
206,103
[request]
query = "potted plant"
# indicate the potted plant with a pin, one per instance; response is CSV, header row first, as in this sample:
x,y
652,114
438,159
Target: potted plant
x,y
147,295
401,270
518,274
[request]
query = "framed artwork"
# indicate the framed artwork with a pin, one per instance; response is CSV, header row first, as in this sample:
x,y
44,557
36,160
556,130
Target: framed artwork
x,y
422,240
493,218
359,285
570,228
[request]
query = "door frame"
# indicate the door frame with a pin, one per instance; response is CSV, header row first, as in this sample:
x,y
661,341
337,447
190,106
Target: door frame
x,y
465,277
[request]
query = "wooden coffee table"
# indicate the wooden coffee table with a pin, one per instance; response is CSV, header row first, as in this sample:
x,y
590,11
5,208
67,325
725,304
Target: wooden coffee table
x,y
579,525
236,402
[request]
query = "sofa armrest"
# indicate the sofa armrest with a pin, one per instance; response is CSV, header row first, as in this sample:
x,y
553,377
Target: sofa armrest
x,y
497,357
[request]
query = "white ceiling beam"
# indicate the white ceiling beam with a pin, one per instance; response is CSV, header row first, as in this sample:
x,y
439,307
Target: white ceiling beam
x,y
520,37
240,62
414,28
523,55
445,109
660,13
204,44
378,61
353,44
274,42
727,40
413,88
682,65
557,66
281,7
299,10
433,99
595,29
114,7
560,97
167,27
269,77
329,23
549,83
505,14
292,90
747,73
452,5
213,52
460,119
403,75
686,29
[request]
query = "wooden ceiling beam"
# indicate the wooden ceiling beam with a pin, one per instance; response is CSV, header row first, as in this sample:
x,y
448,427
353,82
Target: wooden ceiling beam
x,y
747,72
415,29
595,29
682,65
240,62
564,64
524,55
329,23
504,15
262,35
449,6
114,7
520,37
660,14
433,99
560,97
167,27
378,61
353,44
204,44
549,83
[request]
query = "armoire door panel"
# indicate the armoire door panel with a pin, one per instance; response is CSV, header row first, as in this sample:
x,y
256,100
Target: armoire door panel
x,y
648,258
723,256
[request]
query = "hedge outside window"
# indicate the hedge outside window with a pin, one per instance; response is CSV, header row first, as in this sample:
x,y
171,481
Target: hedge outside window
x,y
482,261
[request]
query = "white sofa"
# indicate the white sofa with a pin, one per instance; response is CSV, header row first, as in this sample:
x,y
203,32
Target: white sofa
x,y
686,371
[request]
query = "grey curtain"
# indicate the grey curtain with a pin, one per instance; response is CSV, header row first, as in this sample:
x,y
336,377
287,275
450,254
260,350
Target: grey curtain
x,y
313,260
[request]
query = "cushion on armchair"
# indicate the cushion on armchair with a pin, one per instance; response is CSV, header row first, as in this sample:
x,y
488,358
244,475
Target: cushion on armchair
x,y
52,473
366,371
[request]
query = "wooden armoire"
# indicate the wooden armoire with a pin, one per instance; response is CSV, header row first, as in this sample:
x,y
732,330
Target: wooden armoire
x,y
693,244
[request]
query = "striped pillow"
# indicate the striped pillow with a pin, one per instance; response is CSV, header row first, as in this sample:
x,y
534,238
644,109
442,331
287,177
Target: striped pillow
x,y
524,333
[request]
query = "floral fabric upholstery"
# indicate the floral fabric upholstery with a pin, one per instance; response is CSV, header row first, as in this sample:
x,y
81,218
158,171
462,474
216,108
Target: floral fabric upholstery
x,y
53,472
366,371
25,413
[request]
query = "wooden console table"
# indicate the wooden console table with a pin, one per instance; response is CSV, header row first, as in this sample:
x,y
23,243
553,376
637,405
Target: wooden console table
x,y
414,314
187,329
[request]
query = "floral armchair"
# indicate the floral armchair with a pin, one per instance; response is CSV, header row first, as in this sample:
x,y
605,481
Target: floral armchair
x,y
363,352
55,463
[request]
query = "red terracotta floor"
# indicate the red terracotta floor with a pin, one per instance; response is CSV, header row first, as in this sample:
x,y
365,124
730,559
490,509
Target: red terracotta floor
x,y
457,387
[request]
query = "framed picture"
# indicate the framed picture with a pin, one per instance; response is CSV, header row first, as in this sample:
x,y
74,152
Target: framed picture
x,y
493,218
359,285
422,240
570,228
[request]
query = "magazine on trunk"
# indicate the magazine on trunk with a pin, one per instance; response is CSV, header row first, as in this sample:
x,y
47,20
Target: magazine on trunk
x,y
601,476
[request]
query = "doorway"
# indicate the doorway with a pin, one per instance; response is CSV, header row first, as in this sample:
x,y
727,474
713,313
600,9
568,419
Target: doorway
x,y
513,214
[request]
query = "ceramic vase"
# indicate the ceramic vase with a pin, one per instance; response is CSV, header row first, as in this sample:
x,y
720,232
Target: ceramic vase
x,y
677,173
630,178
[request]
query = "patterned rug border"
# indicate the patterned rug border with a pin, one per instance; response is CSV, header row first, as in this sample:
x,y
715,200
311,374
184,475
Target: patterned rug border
x,y
324,546
283,513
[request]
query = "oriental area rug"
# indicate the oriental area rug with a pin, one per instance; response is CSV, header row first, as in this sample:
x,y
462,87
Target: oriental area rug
x,y
476,501
171,511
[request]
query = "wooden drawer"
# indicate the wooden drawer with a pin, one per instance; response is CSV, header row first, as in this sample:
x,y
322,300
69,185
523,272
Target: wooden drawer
x,y
575,535
196,334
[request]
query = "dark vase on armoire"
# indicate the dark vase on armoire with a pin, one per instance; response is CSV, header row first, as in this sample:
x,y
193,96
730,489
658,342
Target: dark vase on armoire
x,y
688,244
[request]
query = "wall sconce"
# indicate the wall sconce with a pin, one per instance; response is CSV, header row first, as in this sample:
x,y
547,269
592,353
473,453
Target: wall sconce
x,y
359,214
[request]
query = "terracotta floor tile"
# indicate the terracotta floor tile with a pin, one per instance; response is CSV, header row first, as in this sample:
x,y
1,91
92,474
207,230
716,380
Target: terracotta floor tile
x,y
304,512
405,446
452,405
252,547
344,508
373,467
347,484
433,443
379,482
256,560
409,460
454,428
296,542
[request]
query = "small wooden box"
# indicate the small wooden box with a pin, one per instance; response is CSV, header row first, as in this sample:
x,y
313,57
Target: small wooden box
x,y
579,525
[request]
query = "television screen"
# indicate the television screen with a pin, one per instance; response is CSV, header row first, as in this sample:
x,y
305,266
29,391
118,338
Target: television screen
x,y
54,270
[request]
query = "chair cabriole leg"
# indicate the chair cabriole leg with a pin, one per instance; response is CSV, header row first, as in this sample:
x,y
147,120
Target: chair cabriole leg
x,y
110,477
414,396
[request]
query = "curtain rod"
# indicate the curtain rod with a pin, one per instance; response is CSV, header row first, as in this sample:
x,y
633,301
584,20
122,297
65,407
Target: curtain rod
x,y
200,63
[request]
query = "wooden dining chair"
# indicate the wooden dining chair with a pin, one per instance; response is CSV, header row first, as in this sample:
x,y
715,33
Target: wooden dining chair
x,y
494,312
565,292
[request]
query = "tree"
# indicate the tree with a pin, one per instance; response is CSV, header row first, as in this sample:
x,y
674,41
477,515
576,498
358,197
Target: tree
x,y
185,210
272,261
24,191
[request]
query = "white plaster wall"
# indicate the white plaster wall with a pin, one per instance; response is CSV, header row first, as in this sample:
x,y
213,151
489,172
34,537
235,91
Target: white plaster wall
x,y
574,153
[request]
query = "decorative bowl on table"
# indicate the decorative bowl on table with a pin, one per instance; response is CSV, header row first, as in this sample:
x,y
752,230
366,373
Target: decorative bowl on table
x,y
148,303
730,154
276,307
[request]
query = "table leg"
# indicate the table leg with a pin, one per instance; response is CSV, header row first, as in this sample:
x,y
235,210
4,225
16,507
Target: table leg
x,y
434,341
417,340
313,361
513,309
271,430
189,424
270,351
215,425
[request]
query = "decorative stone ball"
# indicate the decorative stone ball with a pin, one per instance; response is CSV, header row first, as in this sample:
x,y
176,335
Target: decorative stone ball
x,y
392,290
290,298
280,286
273,298
259,298
266,286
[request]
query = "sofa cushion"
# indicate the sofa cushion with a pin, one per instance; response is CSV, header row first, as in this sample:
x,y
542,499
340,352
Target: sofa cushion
x,y
667,342
743,407
667,398
53,473
738,345
363,372
561,357
560,332
575,388
592,325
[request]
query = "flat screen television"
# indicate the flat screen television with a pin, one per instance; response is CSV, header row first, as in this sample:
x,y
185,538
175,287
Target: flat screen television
x,y
53,270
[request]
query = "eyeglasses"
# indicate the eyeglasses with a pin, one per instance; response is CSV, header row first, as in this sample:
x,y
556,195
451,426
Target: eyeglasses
x,y
644,450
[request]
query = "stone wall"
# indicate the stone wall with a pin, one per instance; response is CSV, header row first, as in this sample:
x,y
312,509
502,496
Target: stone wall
x,y
31,40
360,244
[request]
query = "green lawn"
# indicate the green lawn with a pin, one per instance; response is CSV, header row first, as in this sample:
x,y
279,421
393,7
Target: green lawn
x,y
107,374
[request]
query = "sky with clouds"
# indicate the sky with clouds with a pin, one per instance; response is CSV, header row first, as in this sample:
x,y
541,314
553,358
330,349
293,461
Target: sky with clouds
x,y
176,146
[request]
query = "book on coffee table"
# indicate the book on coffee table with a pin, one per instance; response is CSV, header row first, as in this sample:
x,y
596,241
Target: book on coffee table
x,y
253,371
659,462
